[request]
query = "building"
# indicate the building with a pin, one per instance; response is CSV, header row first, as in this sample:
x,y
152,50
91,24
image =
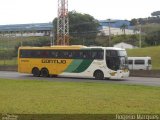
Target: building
x,y
26,30
46,29
124,45
116,31
115,27
114,23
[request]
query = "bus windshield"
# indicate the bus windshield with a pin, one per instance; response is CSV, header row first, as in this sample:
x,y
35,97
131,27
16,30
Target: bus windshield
x,y
116,60
122,53
123,59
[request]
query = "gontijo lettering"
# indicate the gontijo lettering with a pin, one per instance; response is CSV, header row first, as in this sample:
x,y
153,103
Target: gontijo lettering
x,y
54,61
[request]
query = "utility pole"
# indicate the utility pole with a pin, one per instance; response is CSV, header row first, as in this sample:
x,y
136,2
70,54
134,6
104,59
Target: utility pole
x,y
140,36
109,30
63,23
52,37
109,27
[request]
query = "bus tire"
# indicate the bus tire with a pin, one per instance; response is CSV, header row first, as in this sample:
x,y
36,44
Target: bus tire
x,y
44,72
98,74
35,72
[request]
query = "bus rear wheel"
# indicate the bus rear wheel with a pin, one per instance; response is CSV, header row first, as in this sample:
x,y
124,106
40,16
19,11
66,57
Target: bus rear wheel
x,y
99,75
44,72
35,72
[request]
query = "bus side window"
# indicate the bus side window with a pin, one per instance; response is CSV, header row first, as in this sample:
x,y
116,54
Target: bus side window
x,y
52,54
114,53
64,54
44,54
75,54
130,62
97,54
60,54
87,54
26,54
83,54
149,62
139,62
38,54
100,55
69,54
33,53
108,53
93,54
23,54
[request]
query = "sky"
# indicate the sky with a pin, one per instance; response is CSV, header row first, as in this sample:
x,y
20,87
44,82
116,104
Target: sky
x,y
42,11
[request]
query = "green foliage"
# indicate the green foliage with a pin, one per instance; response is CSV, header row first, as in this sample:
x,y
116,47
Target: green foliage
x,y
83,27
156,13
149,28
8,62
125,38
150,36
9,46
143,21
39,42
10,43
42,41
153,38
130,39
133,22
6,54
123,28
42,96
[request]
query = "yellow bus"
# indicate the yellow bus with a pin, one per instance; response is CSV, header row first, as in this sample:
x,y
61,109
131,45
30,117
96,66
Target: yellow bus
x,y
74,61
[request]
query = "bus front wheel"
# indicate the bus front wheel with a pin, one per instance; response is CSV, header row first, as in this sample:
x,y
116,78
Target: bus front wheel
x,y
35,72
44,72
99,75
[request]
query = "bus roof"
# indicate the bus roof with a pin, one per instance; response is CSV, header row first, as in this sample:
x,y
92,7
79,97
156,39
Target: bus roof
x,y
147,57
54,47
70,47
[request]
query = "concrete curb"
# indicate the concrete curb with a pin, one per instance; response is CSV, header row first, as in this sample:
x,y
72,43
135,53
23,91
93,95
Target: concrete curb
x,y
8,68
145,73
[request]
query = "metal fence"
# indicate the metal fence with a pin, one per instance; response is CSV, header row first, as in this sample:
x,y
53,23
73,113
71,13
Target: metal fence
x,y
9,47
7,51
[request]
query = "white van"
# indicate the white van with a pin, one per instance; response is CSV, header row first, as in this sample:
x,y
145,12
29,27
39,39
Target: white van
x,y
139,63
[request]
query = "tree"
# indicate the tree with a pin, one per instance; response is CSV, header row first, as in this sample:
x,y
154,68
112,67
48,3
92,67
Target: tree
x,y
39,42
142,21
83,28
123,28
153,38
133,22
156,13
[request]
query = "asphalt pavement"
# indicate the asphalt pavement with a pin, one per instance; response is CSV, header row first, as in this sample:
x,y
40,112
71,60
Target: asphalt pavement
x,y
130,80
